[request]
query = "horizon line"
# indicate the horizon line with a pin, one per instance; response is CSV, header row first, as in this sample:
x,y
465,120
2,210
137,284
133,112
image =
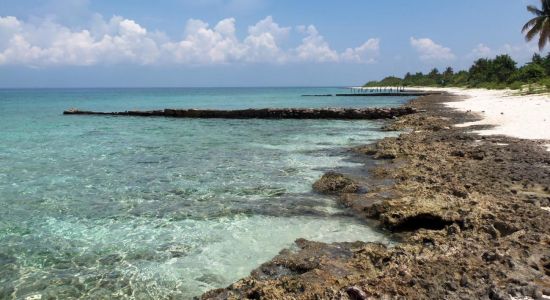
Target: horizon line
x,y
171,87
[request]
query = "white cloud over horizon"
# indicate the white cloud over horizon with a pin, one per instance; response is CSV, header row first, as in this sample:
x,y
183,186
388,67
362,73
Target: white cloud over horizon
x,y
431,51
520,52
120,40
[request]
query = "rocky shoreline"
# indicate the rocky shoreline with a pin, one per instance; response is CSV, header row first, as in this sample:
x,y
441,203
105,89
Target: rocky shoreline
x,y
472,215
266,113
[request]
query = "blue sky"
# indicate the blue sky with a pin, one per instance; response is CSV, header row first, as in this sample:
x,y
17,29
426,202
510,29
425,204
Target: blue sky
x,y
93,43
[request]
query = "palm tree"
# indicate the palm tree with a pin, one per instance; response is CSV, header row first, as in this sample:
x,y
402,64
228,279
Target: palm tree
x,y
540,24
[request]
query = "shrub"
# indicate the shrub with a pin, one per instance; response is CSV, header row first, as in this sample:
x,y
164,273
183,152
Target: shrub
x,y
529,73
516,85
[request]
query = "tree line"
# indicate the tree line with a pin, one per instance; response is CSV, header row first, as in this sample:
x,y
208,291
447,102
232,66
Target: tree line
x,y
499,72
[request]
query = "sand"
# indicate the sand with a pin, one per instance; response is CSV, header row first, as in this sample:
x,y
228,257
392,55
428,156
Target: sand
x,y
520,116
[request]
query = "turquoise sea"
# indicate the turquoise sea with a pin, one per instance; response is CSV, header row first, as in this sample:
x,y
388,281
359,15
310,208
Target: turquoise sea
x,y
139,208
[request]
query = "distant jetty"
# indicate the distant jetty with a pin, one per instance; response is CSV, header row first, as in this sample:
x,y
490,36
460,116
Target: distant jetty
x,y
267,113
386,92
380,92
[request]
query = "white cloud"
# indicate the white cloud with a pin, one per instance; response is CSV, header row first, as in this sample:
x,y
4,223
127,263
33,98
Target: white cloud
x,y
205,45
522,49
520,52
53,44
264,40
314,47
430,51
9,26
481,51
121,40
368,52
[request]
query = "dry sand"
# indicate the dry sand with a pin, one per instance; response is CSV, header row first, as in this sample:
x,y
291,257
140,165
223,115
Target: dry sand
x,y
520,116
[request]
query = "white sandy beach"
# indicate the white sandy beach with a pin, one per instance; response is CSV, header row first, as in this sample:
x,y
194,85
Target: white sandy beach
x,y
526,117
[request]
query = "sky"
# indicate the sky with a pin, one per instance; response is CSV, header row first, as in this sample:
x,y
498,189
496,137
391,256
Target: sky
x,y
218,43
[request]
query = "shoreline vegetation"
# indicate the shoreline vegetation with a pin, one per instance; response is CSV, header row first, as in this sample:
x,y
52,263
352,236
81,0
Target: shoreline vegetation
x,y
470,213
501,72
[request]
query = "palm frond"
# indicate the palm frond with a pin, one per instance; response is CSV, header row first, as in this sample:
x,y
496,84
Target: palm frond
x,y
536,29
534,10
532,23
544,34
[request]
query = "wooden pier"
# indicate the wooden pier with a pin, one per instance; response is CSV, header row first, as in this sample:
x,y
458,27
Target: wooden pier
x,y
385,92
381,92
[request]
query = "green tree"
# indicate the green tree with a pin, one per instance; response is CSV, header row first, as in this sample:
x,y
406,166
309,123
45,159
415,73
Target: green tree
x,y
460,79
546,64
435,77
503,66
537,59
529,73
539,25
447,76
480,71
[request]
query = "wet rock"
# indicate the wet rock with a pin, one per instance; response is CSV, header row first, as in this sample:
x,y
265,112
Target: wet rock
x,y
504,228
477,155
453,229
266,113
458,153
335,183
460,192
386,154
490,256
495,293
464,281
483,242
356,293
491,230
451,286
415,222
367,150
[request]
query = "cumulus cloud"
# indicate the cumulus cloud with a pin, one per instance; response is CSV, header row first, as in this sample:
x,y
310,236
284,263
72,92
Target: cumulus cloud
x,y
314,47
121,40
205,45
264,40
522,49
431,51
521,52
481,51
368,52
52,44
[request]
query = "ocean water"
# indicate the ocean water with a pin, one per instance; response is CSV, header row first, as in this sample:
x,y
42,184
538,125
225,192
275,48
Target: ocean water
x,y
138,208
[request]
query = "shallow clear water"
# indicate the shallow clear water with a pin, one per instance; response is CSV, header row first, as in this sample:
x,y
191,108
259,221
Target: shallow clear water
x,y
107,207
